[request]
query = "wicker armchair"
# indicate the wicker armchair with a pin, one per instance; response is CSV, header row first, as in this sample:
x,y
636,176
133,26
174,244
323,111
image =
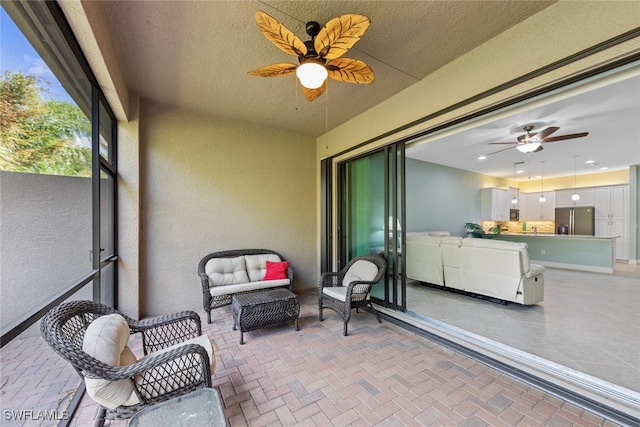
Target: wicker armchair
x,y
160,375
349,288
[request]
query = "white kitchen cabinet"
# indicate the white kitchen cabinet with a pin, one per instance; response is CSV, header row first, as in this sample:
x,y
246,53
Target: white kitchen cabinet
x,y
612,216
494,204
563,198
612,203
613,228
532,209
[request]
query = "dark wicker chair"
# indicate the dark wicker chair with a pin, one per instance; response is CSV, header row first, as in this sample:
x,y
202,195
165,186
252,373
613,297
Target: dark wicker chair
x,y
210,302
355,295
188,366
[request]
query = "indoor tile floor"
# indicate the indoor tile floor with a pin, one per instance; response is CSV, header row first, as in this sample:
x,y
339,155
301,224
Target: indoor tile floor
x,y
589,322
380,375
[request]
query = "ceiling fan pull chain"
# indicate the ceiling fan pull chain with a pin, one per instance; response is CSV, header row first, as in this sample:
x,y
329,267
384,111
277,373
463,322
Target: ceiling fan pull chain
x,y
295,93
326,109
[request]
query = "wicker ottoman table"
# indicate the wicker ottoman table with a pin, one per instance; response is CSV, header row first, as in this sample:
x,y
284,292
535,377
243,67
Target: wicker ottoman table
x,y
266,308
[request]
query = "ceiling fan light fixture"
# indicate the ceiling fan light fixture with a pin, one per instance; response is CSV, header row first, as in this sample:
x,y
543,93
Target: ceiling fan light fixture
x,y
528,147
312,74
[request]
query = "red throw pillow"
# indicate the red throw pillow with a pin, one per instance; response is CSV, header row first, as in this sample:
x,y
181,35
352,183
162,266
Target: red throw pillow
x,y
276,270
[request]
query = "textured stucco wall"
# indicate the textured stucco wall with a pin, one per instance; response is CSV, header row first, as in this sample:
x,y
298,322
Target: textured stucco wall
x,y
45,239
207,185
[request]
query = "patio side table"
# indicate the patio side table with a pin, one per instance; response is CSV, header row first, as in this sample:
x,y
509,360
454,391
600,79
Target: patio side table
x,y
200,408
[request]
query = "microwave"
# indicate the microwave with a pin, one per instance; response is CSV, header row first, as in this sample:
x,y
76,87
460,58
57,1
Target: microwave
x,y
514,214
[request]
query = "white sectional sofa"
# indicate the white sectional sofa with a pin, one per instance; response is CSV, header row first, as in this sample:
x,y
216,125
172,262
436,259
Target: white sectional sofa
x,y
451,262
489,267
502,270
424,258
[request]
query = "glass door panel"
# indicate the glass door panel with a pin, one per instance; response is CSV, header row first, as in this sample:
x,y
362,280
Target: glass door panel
x,y
370,217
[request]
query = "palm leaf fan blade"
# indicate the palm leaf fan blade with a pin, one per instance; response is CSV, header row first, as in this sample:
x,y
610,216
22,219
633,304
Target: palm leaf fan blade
x,y
279,35
339,35
313,94
350,71
274,70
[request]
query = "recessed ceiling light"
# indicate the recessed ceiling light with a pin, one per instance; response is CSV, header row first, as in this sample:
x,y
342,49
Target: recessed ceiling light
x,y
604,168
589,161
483,157
520,171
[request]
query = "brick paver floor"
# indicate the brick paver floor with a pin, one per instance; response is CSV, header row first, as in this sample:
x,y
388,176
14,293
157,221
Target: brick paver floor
x,y
379,375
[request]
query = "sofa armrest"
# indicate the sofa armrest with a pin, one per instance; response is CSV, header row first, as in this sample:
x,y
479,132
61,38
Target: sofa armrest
x,y
534,270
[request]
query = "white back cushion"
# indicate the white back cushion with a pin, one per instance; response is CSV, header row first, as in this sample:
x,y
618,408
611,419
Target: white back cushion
x,y
257,265
360,270
226,271
439,233
106,339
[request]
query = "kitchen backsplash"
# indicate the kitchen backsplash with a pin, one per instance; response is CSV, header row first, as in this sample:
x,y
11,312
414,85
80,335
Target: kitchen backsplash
x,y
516,226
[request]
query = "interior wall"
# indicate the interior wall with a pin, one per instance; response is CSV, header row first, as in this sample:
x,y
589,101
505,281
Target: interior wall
x,y
210,184
441,198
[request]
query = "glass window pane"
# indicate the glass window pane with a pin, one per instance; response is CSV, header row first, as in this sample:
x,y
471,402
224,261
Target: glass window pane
x,y
107,284
45,166
106,134
107,220
362,219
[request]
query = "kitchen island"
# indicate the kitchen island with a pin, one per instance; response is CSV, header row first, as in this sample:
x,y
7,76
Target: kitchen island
x,y
585,253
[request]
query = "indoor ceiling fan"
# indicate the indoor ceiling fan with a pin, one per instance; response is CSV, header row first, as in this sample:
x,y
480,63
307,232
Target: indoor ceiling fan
x,y
320,57
532,142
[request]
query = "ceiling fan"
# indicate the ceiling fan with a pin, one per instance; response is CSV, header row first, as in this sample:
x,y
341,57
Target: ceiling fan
x,y
320,57
532,142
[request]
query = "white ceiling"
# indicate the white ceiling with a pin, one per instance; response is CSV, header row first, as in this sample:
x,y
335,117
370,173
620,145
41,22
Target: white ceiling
x,y
195,55
610,114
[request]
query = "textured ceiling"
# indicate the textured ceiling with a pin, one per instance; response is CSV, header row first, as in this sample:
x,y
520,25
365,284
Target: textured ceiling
x,y
196,54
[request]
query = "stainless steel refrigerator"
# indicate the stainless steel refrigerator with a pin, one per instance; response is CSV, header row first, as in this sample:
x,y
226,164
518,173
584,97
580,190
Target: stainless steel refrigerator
x,y
578,220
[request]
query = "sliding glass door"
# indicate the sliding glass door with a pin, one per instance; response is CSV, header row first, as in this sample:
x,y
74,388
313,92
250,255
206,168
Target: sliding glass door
x,y
371,217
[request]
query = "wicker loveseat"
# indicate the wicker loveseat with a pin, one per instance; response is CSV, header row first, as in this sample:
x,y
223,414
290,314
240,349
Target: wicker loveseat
x,y
223,274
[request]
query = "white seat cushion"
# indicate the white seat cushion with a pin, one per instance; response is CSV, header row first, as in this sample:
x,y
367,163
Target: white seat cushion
x,y
337,292
106,339
249,286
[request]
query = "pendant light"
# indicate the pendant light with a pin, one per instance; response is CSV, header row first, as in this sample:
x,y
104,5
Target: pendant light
x,y
575,196
514,200
542,199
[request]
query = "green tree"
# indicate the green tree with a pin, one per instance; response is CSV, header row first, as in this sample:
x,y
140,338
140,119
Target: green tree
x,y
38,135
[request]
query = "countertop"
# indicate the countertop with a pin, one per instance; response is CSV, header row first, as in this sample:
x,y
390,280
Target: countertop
x,y
559,236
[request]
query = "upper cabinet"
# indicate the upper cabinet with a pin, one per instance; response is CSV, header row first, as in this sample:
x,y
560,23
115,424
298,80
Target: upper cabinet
x,y
612,203
494,204
532,209
563,198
